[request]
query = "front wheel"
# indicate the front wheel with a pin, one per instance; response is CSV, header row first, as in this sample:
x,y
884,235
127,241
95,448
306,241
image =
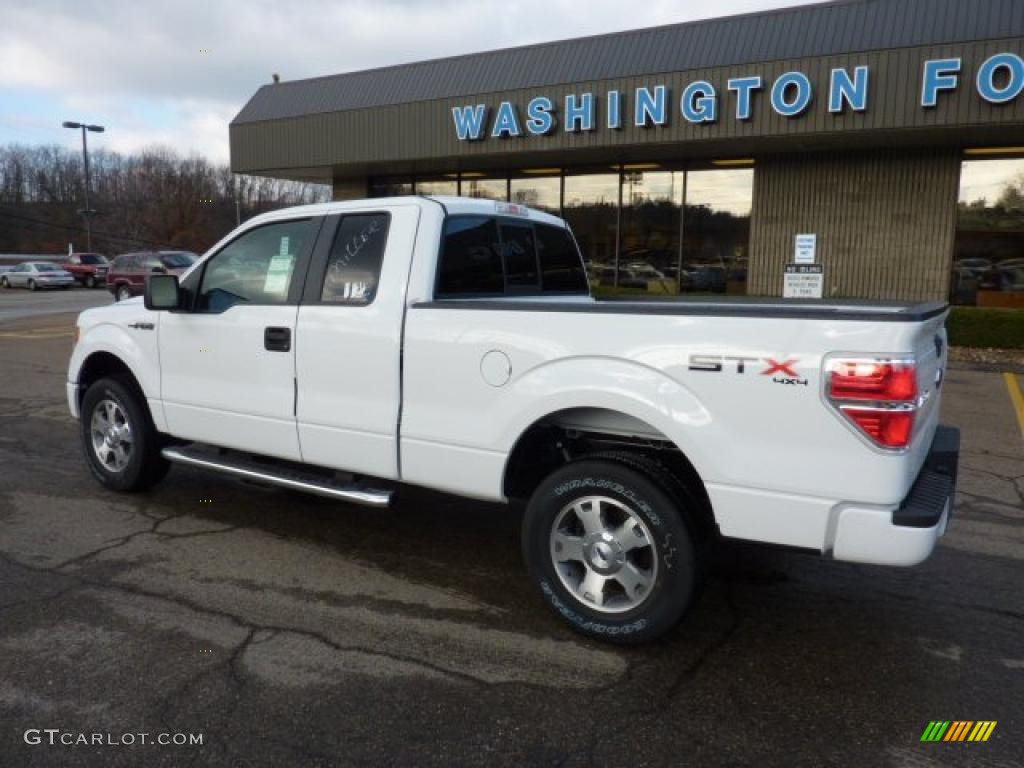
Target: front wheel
x,y
32,285
4,283
612,550
90,282
124,293
122,447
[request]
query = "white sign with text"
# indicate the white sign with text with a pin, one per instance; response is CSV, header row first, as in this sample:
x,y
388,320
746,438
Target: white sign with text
x,y
803,281
806,251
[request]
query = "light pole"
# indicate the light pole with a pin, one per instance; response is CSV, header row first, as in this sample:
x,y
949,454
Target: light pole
x,y
87,211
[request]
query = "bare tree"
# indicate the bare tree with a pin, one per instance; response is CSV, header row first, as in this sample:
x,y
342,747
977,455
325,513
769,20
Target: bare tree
x,y
153,199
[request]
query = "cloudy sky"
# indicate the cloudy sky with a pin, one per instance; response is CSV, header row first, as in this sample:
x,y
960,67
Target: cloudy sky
x,y
176,72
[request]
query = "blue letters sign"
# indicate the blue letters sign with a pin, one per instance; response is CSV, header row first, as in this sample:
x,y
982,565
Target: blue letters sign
x,y
1000,80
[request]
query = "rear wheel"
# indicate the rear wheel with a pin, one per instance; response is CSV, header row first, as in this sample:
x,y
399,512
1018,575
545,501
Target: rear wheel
x,y
90,282
124,293
122,447
4,283
32,285
612,549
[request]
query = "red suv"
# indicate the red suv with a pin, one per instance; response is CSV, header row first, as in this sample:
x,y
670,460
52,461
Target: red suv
x,y
90,269
129,272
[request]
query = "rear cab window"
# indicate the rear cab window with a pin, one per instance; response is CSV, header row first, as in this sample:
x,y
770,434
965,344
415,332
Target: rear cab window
x,y
483,256
357,254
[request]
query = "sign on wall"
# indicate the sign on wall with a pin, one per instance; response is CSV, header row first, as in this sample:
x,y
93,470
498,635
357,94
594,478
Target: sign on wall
x,y
806,249
803,281
1000,80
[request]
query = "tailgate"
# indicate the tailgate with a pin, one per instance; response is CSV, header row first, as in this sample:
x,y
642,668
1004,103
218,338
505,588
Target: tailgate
x,y
932,353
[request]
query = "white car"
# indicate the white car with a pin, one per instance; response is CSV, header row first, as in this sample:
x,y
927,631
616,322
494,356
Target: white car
x,y
453,344
35,275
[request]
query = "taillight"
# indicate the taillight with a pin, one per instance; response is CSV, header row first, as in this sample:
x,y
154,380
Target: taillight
x,y
877,396
873,380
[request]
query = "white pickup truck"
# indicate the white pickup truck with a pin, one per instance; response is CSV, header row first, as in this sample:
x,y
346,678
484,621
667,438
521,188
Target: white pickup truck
x,y
348,348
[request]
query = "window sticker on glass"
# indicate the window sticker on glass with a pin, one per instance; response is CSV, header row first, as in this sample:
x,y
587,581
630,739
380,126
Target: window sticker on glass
x,y
278,272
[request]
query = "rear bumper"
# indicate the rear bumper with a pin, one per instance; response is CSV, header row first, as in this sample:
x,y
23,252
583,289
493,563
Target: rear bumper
x,y
908,534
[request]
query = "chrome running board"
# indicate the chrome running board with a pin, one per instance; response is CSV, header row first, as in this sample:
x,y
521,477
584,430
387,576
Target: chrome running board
x,y
284,477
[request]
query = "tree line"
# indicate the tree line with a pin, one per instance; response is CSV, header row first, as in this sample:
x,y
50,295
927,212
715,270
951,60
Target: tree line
x,y
154,199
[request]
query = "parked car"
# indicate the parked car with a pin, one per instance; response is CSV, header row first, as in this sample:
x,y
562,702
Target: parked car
x,y
401,341
35,275
1012,278
89,269
128,274
977,266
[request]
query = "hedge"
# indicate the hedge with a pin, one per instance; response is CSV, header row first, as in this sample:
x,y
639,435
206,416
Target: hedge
x,y
984,327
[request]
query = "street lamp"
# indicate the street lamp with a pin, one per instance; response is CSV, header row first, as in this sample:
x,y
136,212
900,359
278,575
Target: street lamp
x,y
87,212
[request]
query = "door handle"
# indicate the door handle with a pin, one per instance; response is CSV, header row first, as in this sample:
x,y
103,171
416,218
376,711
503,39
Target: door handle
x,y
276,339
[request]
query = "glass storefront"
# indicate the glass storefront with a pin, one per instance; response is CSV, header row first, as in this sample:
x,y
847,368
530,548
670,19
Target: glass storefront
x,y
479,186
716,231
590,205
642,228
542,191
391,186
446,185
988,264
651,220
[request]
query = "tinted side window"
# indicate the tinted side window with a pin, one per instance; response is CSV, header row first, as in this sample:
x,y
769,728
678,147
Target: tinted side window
x,y
560,263
470,257
255,268
520,256
353,269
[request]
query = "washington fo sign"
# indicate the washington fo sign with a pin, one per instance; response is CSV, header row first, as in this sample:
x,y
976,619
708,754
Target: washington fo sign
x,y
1000,80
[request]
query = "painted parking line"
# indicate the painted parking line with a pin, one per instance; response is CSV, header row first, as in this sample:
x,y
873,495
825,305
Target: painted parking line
x,y
1016,397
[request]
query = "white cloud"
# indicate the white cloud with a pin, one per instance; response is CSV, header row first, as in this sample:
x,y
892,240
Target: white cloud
x,y
142,67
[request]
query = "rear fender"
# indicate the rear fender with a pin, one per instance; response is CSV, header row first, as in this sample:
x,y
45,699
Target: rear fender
x,y
636,390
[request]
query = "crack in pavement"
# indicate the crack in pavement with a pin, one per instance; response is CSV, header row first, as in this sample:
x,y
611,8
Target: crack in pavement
x,y
241,622
690,671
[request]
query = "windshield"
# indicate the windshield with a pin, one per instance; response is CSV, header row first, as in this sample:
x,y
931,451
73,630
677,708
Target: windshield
x,y
92,258
177,260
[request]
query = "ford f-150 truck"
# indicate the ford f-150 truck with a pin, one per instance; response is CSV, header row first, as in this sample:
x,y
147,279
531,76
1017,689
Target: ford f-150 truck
x,y
348,349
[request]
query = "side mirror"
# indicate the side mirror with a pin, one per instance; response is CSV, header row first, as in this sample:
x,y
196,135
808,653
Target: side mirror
x,y
162,292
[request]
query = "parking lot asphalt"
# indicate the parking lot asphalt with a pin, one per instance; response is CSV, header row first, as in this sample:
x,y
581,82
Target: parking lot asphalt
x,y
18,303
292,630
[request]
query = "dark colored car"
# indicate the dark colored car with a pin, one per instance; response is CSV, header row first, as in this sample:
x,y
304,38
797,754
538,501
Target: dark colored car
x,y
90,269
129,272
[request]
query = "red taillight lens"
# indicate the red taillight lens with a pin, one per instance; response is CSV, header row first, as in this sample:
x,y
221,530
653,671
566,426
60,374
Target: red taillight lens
x,y
873,380
890,386
891,429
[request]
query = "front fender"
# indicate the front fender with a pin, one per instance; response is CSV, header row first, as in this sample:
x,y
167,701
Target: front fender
x,y
137,352
631,388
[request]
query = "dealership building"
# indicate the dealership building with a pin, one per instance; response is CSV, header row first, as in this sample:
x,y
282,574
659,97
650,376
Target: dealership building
x,y
875,148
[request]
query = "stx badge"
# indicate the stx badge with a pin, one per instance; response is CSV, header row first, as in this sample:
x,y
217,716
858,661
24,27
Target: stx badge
x,y
783,372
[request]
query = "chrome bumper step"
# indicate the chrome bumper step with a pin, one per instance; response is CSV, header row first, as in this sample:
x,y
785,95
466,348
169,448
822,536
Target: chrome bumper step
x,y
285,477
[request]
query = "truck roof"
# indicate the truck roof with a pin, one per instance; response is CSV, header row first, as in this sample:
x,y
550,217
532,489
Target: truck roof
x,y
452,205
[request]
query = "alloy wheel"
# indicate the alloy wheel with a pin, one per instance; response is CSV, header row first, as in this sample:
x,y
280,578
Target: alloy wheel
x,y
604,554
111,434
